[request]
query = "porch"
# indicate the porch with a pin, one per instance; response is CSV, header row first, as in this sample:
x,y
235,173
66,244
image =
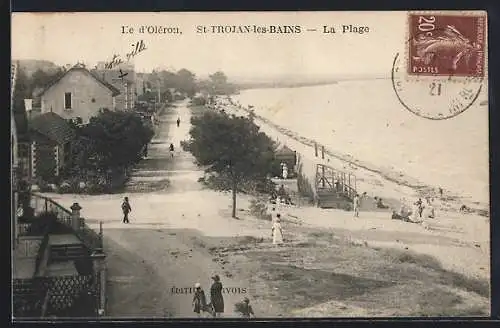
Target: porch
x,y
58,263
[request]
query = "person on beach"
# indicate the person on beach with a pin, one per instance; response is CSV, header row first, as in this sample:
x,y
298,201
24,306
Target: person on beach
x,y
277,231
171,148
356,204
178,121
126,208
420,207
380,204
199,300
216,298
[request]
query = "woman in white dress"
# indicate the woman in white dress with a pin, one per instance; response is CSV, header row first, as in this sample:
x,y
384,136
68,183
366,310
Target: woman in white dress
x,y
277,231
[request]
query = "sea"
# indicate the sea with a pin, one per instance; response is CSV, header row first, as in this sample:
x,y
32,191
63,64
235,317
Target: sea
x,y
364,119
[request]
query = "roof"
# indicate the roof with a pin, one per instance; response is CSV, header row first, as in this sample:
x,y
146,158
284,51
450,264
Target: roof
x,y
115,77
53,127
17,108
285,151
80,68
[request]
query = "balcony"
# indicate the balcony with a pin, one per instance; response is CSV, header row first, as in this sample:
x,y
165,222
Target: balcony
x,y
58,263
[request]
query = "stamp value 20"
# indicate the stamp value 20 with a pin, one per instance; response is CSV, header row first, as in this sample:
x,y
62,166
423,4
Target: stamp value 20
x,y
445,68
444,44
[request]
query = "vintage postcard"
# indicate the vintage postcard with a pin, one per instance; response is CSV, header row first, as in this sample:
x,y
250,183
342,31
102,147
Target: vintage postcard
x,y
250,165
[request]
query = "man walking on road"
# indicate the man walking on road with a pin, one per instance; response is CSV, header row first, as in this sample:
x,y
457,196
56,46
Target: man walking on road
x,y
126,208
171,148
178,121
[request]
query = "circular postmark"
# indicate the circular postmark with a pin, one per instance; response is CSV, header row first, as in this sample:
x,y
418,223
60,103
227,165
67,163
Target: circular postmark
x,y
434,97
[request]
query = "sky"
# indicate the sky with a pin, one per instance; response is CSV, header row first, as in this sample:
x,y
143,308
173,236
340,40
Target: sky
x,y
67,38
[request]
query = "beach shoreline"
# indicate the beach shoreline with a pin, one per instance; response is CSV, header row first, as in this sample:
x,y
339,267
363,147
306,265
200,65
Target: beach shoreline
x,y
414,187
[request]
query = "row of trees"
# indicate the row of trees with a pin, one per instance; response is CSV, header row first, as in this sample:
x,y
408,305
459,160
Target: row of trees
x,y
233,148
187,83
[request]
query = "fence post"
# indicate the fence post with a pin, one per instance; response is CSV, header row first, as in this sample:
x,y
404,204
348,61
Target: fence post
x,y
46,205
101,236
316,149
323,152
100,280
75,216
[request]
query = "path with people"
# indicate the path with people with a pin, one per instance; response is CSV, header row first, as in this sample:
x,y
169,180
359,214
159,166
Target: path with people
x,y
156,237
161,251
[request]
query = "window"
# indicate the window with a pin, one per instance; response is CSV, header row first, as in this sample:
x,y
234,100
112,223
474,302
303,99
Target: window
x,y
67,100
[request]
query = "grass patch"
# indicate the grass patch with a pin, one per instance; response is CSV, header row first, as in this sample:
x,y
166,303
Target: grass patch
x,y
325,267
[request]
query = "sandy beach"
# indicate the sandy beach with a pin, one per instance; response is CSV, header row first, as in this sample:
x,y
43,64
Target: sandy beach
x,y
331,264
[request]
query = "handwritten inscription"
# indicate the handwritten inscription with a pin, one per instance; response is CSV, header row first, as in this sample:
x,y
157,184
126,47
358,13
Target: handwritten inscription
x,y
137,48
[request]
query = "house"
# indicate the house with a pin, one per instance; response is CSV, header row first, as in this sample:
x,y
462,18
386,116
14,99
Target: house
x,y
78,94
51,137
123,78
57,269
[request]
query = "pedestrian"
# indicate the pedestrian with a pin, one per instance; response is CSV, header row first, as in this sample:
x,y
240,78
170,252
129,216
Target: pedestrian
x,y
277,231
420,207
126,208
216,297
171,148
356,205
178,121
246,309
199,300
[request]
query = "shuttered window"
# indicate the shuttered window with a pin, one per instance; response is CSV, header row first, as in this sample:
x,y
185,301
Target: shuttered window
x,y
67,100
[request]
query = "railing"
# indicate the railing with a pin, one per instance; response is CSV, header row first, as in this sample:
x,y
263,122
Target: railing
x,y
45,304
87,235
42,251
338,181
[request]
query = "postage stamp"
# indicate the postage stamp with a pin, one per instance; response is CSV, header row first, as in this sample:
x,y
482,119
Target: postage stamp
x,y
446,45
206,165
445,64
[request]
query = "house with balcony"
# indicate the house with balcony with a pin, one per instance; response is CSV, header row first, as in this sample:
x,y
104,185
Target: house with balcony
x,y
58,262
123,78
78,94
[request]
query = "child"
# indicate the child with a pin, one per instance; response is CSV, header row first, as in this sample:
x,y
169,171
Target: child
x,y
199,300
245,308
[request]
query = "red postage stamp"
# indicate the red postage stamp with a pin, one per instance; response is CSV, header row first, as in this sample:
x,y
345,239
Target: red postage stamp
x,y
446,45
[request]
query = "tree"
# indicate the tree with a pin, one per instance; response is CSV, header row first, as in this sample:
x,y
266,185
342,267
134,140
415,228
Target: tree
x,y
219,84
186,82
231,146
111,140
41,78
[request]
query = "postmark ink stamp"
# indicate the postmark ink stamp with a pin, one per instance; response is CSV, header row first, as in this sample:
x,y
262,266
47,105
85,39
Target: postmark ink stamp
x,y
445,66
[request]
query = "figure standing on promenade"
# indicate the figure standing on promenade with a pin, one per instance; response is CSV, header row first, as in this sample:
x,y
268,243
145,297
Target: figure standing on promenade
x,y
356,204
285,171
126,208
277,231
171,148
178,121
216,297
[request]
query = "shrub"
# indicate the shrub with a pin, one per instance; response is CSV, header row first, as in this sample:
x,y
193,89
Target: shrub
x,y
258,208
